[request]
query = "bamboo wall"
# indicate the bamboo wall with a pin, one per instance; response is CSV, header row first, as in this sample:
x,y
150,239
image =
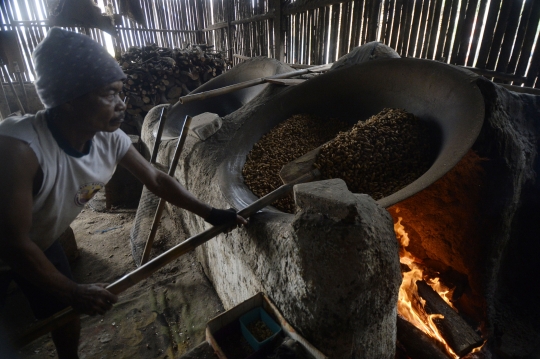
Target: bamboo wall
x,y
499,36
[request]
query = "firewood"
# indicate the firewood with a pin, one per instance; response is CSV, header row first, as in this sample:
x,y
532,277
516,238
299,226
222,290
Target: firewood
x,y
161,75
416,343
174,92
456,331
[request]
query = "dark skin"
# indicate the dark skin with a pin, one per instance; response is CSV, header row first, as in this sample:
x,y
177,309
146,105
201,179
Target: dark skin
x,y
20,179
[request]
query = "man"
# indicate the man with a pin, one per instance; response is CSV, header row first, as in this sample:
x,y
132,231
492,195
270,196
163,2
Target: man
x,y
51,161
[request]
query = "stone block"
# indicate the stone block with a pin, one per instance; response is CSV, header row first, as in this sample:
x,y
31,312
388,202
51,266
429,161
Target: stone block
x,y
330,197
205,125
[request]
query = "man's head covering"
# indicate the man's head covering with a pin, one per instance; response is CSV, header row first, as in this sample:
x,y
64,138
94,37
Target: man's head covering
x,y
69,65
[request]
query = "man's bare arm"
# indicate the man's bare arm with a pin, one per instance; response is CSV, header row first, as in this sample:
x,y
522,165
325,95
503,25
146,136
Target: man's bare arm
x,y
166,186
19,168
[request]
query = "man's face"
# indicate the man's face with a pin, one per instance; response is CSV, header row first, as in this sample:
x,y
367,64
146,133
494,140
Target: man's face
x,y
100,110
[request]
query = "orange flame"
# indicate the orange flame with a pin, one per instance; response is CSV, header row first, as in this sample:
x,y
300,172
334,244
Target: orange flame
x,y
408,292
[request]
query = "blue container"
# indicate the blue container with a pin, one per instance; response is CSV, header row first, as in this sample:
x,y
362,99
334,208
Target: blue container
x,y
258,314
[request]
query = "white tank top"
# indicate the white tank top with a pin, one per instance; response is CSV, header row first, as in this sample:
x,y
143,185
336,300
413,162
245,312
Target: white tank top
x,y
68,182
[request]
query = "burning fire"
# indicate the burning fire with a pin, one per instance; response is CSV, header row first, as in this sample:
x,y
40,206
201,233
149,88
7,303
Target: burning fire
x,y
408,291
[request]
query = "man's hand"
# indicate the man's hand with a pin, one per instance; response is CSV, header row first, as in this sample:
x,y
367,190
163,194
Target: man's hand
x,y
92,299
218,217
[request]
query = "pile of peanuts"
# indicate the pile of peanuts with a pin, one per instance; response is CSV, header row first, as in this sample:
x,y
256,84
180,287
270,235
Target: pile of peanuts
x,y
287,141
378,156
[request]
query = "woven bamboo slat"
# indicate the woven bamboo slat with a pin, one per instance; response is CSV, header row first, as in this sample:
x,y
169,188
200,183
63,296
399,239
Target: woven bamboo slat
x,y
395,26
528,41
460,19
423,28
408,27
466,31
475,41
319,31
499,33
388,16
434,29
509,37
414,28
357,23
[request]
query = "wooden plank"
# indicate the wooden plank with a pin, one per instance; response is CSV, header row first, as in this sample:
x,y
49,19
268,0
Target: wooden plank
x,y
305,5
416,343
499,34
457,333
468,24
528,42
459,31
509,37
499,75
520,89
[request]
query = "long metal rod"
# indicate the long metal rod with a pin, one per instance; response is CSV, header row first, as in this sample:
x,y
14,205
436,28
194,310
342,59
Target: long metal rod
x,y
161,126
143,272
161,204
249,83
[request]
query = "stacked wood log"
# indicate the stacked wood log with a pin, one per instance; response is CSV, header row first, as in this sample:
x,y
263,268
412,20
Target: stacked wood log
x,y
158,75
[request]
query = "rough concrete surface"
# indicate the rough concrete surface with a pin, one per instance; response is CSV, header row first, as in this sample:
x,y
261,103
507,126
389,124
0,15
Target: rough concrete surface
x,y
335,281
270,254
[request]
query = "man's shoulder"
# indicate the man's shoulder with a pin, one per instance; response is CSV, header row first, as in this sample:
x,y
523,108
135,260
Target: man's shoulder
x,y
116,142
20,127
107,137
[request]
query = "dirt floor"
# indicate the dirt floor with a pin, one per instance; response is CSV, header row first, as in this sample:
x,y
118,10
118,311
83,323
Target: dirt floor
x,y
163,316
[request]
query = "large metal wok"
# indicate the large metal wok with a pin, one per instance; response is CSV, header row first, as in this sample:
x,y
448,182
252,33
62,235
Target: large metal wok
x,y
443,96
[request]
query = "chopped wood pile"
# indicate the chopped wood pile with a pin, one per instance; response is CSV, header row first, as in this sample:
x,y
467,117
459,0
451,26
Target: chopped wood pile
x,y
158,75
